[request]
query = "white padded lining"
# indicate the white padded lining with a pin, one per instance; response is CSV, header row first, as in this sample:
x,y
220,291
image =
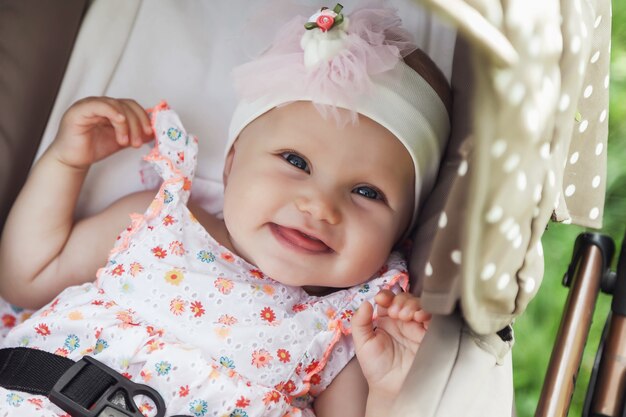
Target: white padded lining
x,y
182,51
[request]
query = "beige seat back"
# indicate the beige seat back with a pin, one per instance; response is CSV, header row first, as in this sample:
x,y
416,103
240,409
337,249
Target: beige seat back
x,y
36,38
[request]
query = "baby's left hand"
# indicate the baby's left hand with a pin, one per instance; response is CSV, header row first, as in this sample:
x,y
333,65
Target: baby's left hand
x,y
386,352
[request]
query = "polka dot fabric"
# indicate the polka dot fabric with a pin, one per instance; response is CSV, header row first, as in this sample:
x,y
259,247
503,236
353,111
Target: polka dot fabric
x,y
584,177
177,311
532,147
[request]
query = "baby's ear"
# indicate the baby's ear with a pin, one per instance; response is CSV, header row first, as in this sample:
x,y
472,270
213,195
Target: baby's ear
x,y
228,164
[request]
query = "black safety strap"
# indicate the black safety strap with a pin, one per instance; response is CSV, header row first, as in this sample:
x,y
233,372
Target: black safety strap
x,y
36,372
86,388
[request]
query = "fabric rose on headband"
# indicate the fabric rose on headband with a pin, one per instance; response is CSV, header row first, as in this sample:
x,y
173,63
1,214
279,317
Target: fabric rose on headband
x,y
330,38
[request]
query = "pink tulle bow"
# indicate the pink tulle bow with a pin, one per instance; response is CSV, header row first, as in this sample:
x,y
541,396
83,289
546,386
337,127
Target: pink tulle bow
x,y
373,43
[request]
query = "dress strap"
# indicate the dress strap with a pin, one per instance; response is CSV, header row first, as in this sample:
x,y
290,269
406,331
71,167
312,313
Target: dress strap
x,y
174,154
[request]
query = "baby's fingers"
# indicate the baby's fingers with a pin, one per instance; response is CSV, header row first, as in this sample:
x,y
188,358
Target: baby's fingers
x,y
95,109
361,321
401,306
138,121
92,111
423,317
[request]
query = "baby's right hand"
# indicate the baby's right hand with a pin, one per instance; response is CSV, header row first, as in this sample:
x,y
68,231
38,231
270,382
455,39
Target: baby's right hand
x,y
401,326
96,127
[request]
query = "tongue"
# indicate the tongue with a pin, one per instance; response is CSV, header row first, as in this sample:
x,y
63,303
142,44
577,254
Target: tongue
x,y
300,239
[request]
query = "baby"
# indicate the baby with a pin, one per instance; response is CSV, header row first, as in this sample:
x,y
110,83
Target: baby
x,y
334,144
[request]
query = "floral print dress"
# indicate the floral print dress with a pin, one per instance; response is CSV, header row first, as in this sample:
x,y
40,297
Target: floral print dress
x,y
175,310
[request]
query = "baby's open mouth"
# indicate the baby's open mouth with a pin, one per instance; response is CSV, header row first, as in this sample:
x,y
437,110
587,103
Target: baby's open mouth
x,y
299,240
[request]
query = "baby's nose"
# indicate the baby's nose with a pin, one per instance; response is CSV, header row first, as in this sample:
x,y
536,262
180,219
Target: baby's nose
x,y
321,207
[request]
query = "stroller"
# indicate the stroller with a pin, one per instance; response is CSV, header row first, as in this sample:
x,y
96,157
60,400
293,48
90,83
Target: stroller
x,y
530,92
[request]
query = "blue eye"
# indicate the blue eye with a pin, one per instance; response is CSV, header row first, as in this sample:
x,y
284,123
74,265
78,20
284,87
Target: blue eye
x,y
296,160
369,192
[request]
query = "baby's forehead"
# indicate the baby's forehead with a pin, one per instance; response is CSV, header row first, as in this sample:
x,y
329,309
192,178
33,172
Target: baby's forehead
x,y
353,139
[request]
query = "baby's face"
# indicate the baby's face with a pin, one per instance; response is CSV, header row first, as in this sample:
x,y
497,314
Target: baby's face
x,y
313,204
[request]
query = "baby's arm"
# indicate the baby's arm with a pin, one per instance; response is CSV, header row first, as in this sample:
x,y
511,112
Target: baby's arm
x,y
42,249
346,396
385,355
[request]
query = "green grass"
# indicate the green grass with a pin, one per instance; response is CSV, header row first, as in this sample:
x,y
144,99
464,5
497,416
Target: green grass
x,y
536,329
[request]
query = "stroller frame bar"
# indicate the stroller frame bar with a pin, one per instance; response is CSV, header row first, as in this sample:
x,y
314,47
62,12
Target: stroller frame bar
x,y
591,261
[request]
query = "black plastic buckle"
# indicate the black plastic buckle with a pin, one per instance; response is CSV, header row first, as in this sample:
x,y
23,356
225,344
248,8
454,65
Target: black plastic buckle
x,y
116,401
